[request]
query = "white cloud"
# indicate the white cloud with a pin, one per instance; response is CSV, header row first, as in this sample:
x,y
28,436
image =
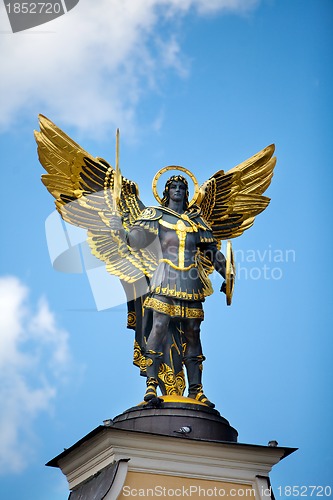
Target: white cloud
x,y
33,355
90,67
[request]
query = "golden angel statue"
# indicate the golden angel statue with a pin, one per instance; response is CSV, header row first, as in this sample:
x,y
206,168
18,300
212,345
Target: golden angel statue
x,y
162,254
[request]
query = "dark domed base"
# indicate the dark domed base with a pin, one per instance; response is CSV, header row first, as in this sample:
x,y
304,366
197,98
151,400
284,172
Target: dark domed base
x,y
177,416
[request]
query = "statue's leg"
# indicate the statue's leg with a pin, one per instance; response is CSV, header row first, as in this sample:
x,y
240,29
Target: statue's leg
x,y
154,352
193,359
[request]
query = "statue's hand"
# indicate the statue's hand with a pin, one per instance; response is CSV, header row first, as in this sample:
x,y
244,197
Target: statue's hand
x,y
223,287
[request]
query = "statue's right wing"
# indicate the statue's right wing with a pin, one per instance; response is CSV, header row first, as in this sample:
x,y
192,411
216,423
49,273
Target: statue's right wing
x,y
82,187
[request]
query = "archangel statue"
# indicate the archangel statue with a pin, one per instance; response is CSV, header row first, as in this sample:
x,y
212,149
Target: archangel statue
x,y
162,254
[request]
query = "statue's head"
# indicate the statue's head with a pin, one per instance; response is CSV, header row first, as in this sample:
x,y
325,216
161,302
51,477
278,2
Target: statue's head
x,y
166,195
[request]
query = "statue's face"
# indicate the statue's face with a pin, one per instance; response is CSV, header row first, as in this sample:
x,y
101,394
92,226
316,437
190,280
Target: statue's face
x,y
177,191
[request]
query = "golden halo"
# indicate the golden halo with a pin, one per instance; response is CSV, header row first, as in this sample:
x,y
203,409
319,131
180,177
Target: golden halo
x,y
181,169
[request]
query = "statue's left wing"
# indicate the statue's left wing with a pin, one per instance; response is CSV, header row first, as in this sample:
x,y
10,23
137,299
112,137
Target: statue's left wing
x,y
82,186
230,201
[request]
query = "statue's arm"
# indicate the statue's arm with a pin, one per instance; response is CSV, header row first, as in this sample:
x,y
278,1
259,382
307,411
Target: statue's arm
x,y
136,237
217,259
219,263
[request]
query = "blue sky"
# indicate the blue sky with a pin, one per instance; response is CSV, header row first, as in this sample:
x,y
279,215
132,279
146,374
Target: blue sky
x,y
204,84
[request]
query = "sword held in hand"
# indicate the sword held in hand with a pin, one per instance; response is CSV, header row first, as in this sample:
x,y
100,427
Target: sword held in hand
x,y
117,179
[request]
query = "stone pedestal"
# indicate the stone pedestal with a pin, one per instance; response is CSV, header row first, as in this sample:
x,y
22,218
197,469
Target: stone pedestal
x,y
165,450
172,415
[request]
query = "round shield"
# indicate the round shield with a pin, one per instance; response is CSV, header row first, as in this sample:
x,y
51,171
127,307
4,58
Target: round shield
x,y
230,273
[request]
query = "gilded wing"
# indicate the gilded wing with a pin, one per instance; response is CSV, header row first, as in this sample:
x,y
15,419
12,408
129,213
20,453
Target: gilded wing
x,y
230,201
82,187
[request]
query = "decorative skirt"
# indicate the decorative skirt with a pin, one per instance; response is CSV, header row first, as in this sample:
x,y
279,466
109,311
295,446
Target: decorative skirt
x,y
183,285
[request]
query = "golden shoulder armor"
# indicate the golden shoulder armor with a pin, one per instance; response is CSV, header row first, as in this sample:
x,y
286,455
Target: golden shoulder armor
x,y
150,213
